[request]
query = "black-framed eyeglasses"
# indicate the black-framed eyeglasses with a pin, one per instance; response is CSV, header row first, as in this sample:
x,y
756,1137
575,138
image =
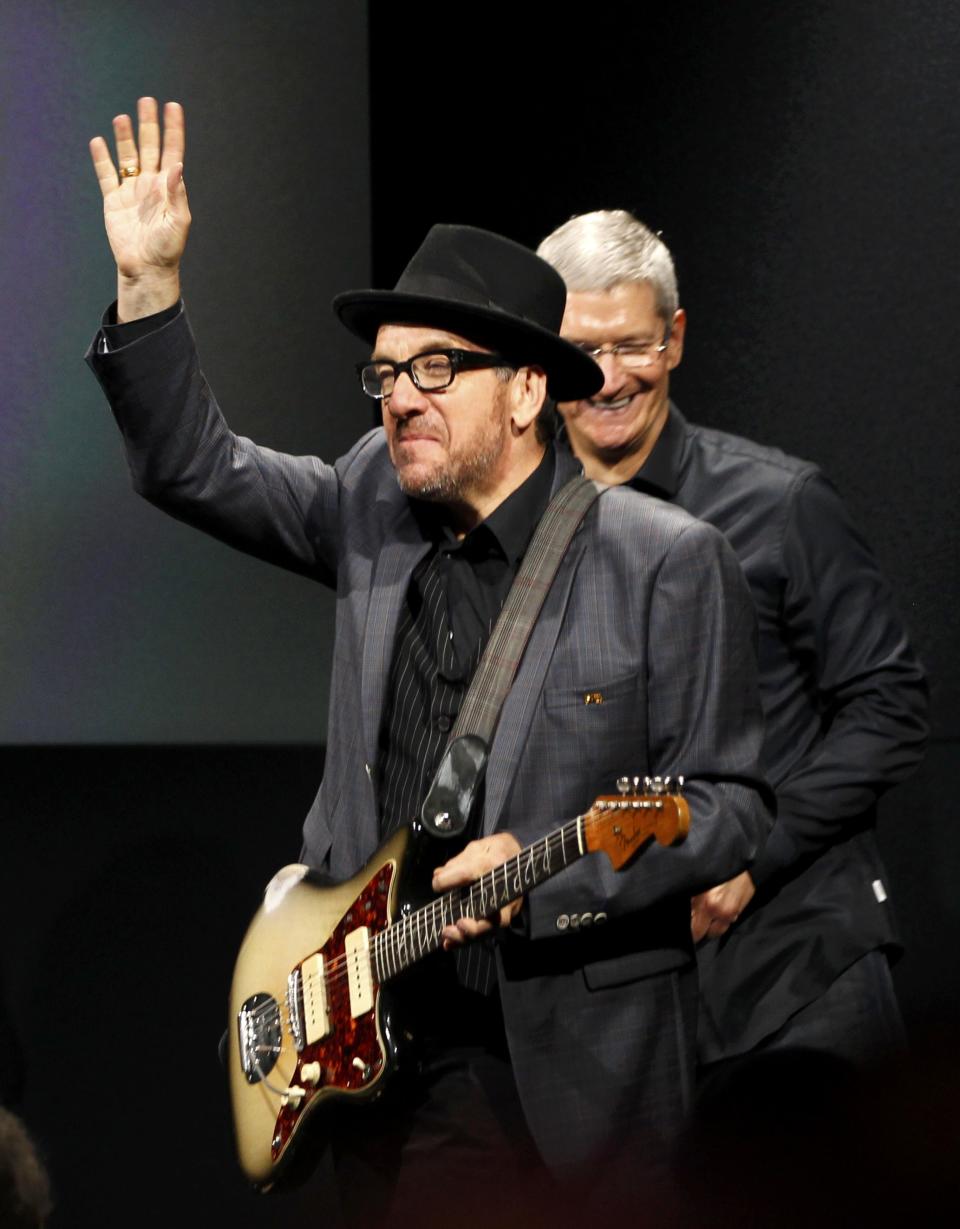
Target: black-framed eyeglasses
x,y
430,372
630,353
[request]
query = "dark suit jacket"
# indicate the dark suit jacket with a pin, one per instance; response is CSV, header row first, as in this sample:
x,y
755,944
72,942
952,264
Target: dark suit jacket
x,y
649,608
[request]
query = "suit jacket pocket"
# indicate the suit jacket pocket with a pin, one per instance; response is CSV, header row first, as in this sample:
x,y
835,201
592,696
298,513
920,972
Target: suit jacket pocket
x,y
597,730
593,694
619,970
639,945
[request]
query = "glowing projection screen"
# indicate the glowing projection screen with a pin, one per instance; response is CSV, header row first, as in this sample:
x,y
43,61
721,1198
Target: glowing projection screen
x,y
118,624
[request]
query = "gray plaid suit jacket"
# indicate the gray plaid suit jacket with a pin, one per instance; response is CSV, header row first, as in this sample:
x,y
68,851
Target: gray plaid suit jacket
x,y
649,609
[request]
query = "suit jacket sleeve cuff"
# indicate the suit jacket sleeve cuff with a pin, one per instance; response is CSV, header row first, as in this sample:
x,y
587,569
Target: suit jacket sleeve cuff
x,y
113,336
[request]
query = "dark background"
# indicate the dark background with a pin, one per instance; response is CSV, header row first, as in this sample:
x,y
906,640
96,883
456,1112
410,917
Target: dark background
x,y
802,161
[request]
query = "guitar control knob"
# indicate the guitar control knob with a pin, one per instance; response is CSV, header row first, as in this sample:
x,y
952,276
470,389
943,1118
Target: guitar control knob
x,y
310,1074
293,1096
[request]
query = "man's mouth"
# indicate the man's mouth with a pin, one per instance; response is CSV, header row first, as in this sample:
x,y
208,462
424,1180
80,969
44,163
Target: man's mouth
x,y
606,405
409,436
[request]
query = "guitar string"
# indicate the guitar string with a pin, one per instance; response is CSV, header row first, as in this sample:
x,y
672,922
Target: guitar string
x,y
390,944
391,941
464,894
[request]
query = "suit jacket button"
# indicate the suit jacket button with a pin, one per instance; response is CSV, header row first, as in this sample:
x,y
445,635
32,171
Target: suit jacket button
x,y
599,919
586,919
563,922
574,920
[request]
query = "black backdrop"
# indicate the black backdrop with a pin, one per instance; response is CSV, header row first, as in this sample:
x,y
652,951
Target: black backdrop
x,y
801,160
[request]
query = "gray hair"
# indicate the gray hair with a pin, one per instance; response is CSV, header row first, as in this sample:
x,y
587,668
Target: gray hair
x,y
597,251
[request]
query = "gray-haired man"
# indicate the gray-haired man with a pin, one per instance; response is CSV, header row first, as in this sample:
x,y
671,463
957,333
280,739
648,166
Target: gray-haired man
x,y
802,936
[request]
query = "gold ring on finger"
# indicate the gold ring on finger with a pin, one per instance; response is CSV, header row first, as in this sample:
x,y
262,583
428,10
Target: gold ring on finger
x,y
128,171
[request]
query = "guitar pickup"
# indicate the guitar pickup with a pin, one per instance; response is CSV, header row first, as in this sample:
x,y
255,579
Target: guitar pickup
x,y
359,978
316,1017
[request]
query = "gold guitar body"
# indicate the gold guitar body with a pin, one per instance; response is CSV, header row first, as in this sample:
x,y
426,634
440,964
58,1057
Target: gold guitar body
x,y
300,1032
308,1024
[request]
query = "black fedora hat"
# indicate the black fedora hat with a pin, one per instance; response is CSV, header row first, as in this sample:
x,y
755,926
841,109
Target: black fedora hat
x,y
488,289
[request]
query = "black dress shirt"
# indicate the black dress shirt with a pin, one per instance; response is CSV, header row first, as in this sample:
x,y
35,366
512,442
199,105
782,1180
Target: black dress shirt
x,y
843,694
453,601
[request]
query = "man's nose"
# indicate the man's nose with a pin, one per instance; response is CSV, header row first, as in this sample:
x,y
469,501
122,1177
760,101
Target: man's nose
x,y
614,373
405,398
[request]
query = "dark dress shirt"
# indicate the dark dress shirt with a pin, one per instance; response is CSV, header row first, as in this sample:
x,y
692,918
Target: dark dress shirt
x,y
453,600
844,699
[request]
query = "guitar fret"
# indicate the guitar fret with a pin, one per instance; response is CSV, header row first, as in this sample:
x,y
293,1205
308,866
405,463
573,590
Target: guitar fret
x,y
380,946
390,963
417,934
379,949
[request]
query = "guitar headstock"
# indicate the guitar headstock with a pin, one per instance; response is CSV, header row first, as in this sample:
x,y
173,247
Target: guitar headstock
x,y
621,823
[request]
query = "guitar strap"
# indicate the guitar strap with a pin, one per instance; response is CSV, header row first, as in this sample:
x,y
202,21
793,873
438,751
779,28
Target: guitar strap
x,y
449,801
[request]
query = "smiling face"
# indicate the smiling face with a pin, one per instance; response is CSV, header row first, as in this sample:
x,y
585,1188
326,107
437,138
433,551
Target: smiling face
x,y
466,446
613,431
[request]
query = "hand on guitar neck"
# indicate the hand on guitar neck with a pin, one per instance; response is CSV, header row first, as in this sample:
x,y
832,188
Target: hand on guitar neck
x,y
473,861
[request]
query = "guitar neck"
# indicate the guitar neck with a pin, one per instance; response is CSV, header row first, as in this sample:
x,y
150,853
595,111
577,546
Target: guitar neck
x,y
420,933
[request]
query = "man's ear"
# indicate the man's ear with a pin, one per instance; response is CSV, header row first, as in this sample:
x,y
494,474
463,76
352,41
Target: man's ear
x,y
528,390
677,334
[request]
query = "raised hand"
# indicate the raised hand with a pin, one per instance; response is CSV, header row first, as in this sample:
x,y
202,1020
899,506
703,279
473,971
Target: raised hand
x,y
145,208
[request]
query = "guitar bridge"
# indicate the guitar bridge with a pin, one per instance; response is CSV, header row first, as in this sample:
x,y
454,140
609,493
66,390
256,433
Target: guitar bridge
x,y
294,1013
261,1036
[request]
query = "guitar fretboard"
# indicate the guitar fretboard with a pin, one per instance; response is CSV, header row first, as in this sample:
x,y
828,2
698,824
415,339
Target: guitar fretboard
x,y
419,933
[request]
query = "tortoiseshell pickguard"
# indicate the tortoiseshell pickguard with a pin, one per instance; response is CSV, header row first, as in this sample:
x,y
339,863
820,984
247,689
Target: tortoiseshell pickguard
x,y
349,1038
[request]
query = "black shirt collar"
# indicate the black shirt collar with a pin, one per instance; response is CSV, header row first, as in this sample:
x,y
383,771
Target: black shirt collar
x,y
512,523
509,527
660,473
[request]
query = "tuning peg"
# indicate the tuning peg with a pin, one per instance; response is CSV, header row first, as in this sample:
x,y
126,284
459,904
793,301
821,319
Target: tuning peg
x,y
623,785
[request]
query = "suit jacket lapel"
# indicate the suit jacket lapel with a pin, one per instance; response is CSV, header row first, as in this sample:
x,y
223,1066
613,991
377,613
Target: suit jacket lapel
x,y
521,703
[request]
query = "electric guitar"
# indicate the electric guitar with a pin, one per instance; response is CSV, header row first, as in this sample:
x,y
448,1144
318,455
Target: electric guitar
x,y
307,1022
